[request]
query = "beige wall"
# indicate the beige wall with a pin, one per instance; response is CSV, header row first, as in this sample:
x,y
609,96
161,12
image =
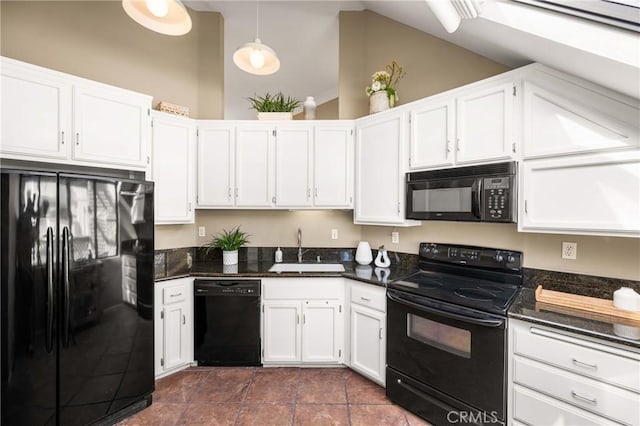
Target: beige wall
x,y
369,41
602,256
267,228
98,41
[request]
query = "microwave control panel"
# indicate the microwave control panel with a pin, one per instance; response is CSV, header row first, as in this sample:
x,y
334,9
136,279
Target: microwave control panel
x,y
497,205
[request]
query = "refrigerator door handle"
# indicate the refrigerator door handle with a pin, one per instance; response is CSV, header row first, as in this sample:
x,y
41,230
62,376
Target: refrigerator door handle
x,y
65,278
49,330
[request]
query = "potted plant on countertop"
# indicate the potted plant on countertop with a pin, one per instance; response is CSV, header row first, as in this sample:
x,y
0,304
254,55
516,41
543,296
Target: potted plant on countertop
x,y
229,242
274,107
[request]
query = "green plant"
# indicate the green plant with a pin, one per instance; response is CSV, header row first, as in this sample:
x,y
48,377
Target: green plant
x,y
274,103
228,240
387,80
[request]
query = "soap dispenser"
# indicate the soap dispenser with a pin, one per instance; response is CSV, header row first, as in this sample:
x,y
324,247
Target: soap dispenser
x,y
278,255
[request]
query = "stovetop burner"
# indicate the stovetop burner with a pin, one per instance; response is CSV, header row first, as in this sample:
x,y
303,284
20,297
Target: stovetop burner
x,y
475,277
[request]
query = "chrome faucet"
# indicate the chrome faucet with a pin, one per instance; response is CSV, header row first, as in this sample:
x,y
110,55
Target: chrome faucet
x,y
299,245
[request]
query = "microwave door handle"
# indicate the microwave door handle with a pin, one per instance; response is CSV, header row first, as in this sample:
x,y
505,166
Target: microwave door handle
x,y
484,322
476,207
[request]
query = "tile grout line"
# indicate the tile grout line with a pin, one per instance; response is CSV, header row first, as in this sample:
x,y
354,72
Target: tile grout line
x,y
346,397
295,398
244,397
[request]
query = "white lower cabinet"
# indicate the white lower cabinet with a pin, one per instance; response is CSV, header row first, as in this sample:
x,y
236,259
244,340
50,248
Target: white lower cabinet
x,y
563,379
302,321
368,331
173,322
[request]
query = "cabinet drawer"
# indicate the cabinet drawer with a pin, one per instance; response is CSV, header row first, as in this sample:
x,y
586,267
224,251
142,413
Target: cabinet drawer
x,y
566,352
535,409
600,398
369,296
174,294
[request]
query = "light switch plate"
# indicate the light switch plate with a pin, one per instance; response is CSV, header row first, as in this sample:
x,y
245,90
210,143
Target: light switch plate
x,y
334,234
201,231
395,237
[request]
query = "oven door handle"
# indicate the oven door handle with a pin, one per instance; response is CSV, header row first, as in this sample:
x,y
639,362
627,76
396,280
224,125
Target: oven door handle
x,y
481,321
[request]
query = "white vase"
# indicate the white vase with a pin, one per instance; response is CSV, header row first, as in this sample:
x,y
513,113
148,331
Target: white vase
x,y
309,108
363,253
229,257
382,259
378,101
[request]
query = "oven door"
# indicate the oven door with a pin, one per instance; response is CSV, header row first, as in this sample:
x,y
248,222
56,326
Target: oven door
x,y
445,199
457,351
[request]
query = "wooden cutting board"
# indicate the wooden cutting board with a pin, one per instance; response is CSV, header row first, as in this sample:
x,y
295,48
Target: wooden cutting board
x,y
584,303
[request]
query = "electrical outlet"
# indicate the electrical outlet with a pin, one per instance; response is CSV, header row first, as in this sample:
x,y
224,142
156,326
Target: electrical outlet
x,y
569,250
395,237
201,231
334,234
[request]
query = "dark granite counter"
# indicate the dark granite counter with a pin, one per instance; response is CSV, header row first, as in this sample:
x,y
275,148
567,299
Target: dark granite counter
x,y
612,329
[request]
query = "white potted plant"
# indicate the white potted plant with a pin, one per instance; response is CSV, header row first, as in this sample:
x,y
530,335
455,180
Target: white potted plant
x,y
274,107
229,242
382,92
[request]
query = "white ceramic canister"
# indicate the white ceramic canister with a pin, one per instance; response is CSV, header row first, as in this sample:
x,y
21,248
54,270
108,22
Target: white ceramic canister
x,y
363,253
626,299
309,108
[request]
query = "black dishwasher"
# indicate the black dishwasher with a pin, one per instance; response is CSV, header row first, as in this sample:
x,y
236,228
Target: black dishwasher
x,y
227,322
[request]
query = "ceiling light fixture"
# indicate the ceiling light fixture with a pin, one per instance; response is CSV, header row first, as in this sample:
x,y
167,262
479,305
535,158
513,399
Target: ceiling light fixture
x,y
450,12
255,57
168,17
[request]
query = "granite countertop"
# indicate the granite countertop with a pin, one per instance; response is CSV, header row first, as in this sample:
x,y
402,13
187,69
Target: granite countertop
x,y
260,269
577,321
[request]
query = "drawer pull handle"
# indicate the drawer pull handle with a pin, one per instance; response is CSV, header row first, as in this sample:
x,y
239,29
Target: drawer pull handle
x,y
175,295
584,364
583,398
366,299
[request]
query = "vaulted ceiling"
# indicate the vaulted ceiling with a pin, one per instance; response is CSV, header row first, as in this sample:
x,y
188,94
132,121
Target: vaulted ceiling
x,y
305,37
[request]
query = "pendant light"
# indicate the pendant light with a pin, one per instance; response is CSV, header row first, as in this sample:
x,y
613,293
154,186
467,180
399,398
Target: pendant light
x,y
168,17
255,57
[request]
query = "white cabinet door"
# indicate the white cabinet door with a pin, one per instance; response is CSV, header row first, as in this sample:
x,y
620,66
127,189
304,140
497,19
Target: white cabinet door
x,y
368,336
432,134
560,117
216,144
380,168
333,166
322,332
110,125
176,339
293,166
36,112
589,194
484,124
173,168
254,166
281,332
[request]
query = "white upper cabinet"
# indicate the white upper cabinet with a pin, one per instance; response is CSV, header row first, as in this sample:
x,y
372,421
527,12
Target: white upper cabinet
x,y
110,125
293,166
254,167
333,165
433,133
381,163
564,115
484,123
31,95
216,183
173,168
587,194
79,121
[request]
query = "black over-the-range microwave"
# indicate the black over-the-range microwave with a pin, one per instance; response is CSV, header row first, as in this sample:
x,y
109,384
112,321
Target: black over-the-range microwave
x,y
485,193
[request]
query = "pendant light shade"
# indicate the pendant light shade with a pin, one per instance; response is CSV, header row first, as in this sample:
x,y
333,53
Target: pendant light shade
x,y
168,17
255,57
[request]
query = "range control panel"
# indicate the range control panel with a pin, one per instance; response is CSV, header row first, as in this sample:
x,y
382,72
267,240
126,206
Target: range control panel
x,y
471,255
496,203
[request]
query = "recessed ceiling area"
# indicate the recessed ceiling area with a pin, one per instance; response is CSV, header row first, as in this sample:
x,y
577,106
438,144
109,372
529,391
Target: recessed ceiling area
x,y
304,35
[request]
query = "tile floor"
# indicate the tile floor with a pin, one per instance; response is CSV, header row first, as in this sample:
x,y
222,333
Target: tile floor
x,y
270,396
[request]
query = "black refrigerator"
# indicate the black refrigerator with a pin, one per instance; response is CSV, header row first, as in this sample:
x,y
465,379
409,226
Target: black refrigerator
x,y
77,298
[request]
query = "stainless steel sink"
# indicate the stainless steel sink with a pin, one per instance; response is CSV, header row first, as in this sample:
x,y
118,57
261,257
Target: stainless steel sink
x,y
307,267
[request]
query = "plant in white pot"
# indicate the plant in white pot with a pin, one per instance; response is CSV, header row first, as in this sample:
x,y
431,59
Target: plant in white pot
x,y
274,107
229,242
